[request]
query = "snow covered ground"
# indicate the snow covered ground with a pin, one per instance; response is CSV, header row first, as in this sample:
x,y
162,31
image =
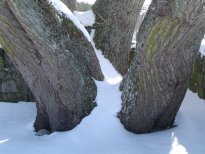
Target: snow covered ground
x,y
101,132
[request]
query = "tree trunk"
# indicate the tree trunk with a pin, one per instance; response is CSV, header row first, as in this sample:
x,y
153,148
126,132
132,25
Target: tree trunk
x,y
167,45
71,4
115,24
54,58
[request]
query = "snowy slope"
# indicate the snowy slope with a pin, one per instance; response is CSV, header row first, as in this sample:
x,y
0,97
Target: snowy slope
x,y
101,132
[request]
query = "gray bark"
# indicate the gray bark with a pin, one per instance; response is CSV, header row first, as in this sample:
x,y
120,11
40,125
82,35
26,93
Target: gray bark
x,y
71,4
115,24
54,58
167,46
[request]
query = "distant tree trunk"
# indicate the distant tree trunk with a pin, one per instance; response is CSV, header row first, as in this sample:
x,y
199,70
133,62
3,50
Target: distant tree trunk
x,y
54,58
12,86
115,24
167,45
71,4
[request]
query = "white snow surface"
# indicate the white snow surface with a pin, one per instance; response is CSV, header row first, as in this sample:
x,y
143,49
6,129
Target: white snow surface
x,y
63,9
86,18
101,132
202,48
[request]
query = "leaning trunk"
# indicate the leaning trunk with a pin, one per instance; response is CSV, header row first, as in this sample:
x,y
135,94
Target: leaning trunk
x,y
115,24
54,58
167,45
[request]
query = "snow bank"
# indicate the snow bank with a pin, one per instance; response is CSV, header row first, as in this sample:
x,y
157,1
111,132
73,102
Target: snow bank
x,y
62,8
101,132
86,18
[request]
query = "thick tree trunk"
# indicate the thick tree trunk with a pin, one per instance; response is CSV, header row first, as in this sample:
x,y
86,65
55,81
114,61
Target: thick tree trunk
x,y
54,58
167,46
71,4
115,24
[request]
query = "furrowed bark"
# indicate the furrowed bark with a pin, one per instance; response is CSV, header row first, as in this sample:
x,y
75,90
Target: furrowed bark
x,y
54,58
71,4
115,24
167,45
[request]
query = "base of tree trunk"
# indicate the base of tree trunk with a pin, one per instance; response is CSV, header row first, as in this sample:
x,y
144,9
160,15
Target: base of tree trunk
x,y
56,60
157,81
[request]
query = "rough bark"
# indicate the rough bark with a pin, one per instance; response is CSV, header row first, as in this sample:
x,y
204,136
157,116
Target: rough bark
x,y
167,46
71,4
115,24
54,58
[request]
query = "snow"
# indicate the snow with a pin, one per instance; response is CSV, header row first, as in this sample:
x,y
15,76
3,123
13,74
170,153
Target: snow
x,y
63,9
86,18
101,132
202,48
133,45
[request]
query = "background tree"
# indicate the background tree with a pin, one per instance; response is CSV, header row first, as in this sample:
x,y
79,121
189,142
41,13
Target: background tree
x,y
71,4
167,45
115,24
55,59
197,83
83,6
12,86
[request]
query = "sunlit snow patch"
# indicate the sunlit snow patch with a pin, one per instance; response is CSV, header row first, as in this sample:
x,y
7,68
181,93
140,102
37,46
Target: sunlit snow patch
x,y
86,18
177,148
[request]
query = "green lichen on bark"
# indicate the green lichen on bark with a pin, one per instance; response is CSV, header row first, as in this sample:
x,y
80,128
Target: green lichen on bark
x,y
156,83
